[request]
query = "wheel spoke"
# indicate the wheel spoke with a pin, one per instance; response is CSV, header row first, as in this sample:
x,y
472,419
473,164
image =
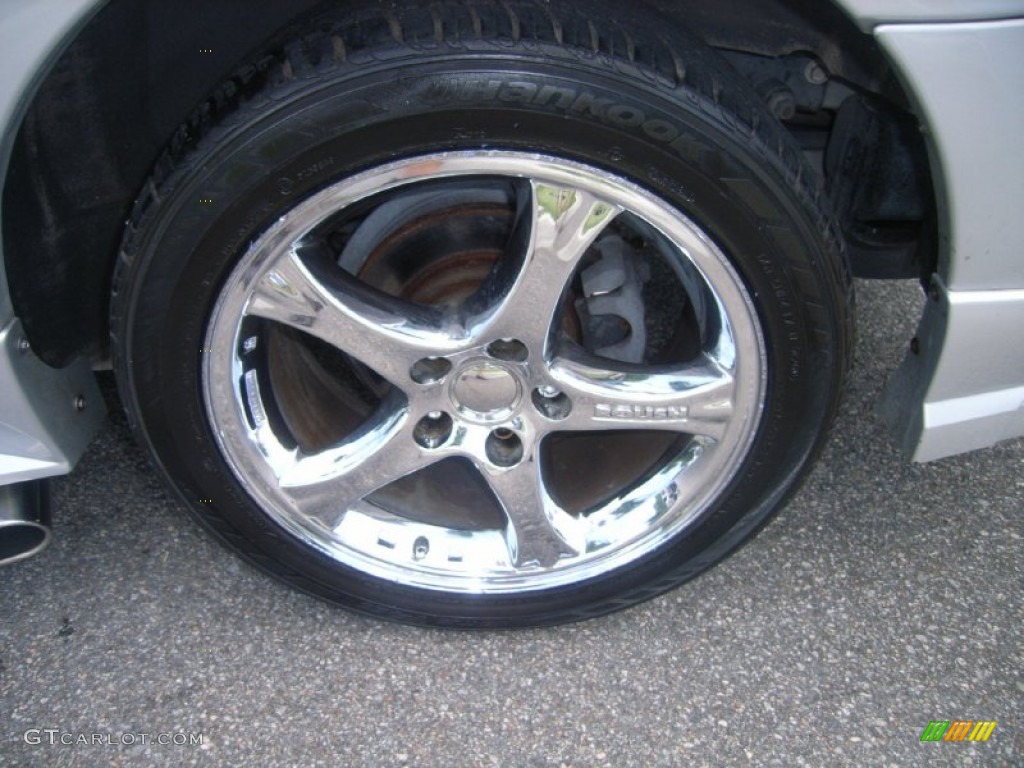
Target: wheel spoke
x,y
326,485
697,399
538,531
556,227
381,332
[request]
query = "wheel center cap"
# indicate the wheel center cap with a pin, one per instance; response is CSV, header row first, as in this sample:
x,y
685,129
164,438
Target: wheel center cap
x,y
486,391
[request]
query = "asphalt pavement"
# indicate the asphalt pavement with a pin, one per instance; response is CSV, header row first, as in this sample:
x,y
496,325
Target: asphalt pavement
x,y
885,596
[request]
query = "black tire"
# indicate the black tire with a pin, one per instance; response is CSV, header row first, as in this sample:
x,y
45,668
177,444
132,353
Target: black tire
x,y
612,90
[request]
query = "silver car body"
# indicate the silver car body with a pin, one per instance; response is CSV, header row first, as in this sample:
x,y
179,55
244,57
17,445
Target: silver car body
x,y
961,388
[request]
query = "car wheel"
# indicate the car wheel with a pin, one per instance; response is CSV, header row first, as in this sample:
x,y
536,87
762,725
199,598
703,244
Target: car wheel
x,y
482,315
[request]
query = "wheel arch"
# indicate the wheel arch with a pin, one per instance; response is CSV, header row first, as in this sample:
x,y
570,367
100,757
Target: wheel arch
x,y
89,138
133,74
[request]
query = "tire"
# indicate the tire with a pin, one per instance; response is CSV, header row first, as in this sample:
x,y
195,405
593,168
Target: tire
x,y
482,315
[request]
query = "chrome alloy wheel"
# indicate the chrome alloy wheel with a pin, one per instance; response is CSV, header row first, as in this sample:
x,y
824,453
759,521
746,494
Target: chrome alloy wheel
x,y
360,398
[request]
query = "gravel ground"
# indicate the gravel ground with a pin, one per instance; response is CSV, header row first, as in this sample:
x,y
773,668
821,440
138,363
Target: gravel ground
x,y
886,595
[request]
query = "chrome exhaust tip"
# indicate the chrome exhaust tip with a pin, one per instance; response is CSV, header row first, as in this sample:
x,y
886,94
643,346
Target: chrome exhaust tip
x,y
24,520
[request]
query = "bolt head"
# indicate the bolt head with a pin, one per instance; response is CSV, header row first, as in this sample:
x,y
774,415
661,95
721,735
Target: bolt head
x,y
815,74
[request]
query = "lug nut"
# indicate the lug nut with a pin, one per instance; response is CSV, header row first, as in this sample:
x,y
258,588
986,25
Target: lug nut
x,y
551,403
434,430
504,448
509,350
430,370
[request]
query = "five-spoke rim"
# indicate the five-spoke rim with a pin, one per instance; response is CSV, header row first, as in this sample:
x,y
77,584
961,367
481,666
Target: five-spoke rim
x,y
487,381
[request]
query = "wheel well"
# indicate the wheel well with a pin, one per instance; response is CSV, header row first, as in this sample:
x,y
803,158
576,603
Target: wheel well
x,y
117,94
